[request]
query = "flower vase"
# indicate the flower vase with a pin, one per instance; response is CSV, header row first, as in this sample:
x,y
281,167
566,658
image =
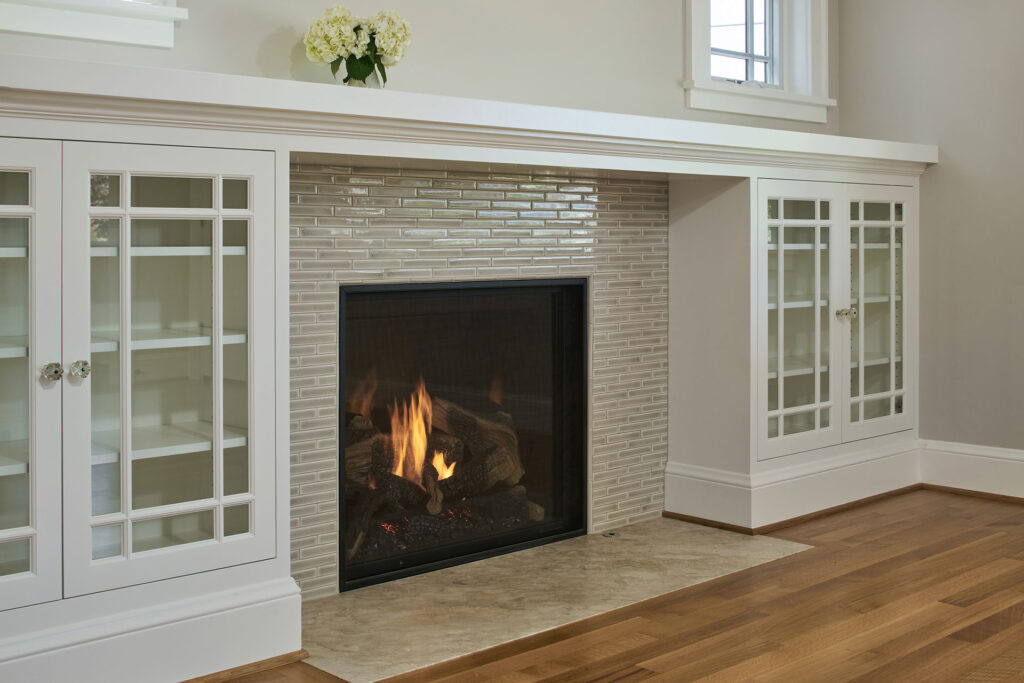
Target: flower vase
x,y
372,81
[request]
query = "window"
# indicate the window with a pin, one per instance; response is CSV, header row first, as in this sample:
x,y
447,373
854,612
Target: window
x,y
743,40
136,22
760,57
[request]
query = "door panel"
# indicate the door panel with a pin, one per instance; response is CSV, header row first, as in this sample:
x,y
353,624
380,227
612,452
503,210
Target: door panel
x,y
162,246
30,405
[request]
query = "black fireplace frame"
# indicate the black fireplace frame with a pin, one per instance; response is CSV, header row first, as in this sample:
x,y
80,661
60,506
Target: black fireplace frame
x,y
571,430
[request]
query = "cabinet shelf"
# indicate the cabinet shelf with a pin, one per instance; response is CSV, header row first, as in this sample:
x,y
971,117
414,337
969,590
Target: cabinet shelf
x,y
877,299
773,304
13,252
13,347
166,251
803,364
797,247
162,441
13,458
145,339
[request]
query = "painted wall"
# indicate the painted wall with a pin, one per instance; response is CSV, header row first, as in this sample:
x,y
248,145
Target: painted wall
x,y
605,55
949,72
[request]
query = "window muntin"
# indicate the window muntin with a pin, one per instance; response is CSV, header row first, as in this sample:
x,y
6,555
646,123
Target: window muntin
x,y
743,40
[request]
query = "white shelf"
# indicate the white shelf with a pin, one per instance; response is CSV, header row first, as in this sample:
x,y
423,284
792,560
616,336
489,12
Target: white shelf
x,y
164,251
797,247
13,347
13,252
162,441
803,364
773,304
875,246
878,299
13,458
145,339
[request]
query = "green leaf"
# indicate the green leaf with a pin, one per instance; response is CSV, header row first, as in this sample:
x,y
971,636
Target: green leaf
x,y
383,73
359,69
335,65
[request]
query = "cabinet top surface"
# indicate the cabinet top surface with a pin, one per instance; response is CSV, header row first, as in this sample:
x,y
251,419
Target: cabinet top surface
x,y
275,101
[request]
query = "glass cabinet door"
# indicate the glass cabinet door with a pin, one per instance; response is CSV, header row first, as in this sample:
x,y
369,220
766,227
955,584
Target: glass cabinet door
x,y
30,372
877,376
799,394
171,248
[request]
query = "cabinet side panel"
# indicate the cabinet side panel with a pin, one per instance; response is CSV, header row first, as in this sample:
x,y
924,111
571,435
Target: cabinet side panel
x,y
709,323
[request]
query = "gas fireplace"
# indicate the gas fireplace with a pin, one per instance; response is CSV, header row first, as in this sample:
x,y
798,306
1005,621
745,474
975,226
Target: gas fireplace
x,y
463,430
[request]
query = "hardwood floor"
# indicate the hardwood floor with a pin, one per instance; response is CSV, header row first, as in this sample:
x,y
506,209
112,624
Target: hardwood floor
x,y
926,586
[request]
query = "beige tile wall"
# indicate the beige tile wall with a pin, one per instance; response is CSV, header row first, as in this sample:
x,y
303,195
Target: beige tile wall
x,y
351,225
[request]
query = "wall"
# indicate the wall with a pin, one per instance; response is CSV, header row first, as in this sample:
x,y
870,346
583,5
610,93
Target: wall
x,y
604,55
949,72
354,225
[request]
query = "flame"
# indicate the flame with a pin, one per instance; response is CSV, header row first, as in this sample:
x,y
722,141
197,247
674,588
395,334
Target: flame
x,y
497,390
443,471
410,424
361,399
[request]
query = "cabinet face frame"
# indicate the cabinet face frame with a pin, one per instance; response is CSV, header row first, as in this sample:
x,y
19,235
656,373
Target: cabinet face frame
x,y
83,574
42,583
840,429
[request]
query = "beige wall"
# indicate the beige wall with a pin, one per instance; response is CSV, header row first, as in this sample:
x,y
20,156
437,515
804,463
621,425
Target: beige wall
x,y
605,55
949,72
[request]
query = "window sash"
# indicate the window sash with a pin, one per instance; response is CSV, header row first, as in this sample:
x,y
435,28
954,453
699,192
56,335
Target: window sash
x,y
749,56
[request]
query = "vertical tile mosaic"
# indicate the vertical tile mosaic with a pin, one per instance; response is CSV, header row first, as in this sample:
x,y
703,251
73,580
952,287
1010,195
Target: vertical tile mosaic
x,y
360,225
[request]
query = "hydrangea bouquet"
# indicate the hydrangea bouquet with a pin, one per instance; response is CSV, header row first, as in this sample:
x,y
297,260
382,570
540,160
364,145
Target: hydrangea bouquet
x,y
361,44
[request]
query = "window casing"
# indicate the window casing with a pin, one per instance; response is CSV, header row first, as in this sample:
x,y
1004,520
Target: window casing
x,y
794,53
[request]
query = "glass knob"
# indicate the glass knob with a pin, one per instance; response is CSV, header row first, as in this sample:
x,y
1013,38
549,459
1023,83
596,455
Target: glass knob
x,y
852,311
53,372
81,369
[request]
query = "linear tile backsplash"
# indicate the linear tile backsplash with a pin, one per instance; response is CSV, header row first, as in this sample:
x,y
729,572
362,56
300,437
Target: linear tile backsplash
x,y
356,224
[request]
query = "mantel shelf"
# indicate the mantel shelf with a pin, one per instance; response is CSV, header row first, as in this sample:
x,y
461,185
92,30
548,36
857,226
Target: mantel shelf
x,y
162,441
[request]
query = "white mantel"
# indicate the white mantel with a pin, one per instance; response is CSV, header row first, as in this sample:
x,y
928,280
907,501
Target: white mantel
x,y
31,87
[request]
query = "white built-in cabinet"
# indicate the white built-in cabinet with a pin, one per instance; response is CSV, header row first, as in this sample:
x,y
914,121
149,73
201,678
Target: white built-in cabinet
x,y
137,420
835,350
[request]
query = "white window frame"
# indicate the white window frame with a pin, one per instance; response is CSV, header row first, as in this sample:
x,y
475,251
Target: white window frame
x,y
135,22
801,89
770,58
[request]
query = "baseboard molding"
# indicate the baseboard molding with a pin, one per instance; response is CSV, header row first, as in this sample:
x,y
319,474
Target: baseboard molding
x,y
254,668
765,503
210,633
982,469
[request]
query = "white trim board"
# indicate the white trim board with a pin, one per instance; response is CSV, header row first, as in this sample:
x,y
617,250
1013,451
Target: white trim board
x,y
752,501
112,21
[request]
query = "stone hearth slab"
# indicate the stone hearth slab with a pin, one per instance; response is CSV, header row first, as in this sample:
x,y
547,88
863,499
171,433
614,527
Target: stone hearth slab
x,y
388,629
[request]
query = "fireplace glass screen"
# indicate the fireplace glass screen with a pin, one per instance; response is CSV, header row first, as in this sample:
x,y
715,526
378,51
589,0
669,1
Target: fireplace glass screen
x,y
463,427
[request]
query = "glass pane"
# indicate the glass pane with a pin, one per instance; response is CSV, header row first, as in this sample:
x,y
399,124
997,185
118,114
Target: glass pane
x,y
773,427
854,211
105,232
773,314
855,412
236,520
899,405
799,315
855,378
105,190
170,531
236,193
823,209
13,234
172,233
236,357
728,25
876,211
731,68
798,209
760,72
105,380
14,487
799,423
824,417
879,407
172,192
898,322
106,541
773,209
14,186
15,557
899,212
172,479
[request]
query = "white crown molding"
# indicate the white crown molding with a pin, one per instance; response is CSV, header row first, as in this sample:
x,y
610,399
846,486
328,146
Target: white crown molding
x,y
113,21
55,89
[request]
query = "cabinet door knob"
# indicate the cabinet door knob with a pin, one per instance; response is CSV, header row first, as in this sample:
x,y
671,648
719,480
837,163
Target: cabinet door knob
x,y
81,369
852,311
53,372
842,314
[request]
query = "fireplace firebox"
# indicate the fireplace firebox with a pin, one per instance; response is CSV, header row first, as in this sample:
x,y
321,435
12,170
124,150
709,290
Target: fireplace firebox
x,y
463,427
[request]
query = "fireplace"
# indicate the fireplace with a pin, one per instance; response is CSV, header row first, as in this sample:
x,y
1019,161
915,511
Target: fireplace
x,y
463,430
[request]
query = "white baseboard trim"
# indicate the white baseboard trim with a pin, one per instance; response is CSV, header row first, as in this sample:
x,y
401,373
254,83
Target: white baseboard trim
x,y
210,633
985,469
762,499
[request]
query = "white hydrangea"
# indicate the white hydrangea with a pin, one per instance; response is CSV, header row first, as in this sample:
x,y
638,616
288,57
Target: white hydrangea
x,y
334,35
392,34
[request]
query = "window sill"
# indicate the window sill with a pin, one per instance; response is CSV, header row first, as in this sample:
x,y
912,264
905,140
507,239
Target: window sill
x,y
754,100
112,21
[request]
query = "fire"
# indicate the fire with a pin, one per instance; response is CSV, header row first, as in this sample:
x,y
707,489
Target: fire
x,y
410,425
497,390
361,399
443,471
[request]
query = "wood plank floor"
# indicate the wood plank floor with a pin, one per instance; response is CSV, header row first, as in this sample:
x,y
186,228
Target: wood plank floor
x,y
926,586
